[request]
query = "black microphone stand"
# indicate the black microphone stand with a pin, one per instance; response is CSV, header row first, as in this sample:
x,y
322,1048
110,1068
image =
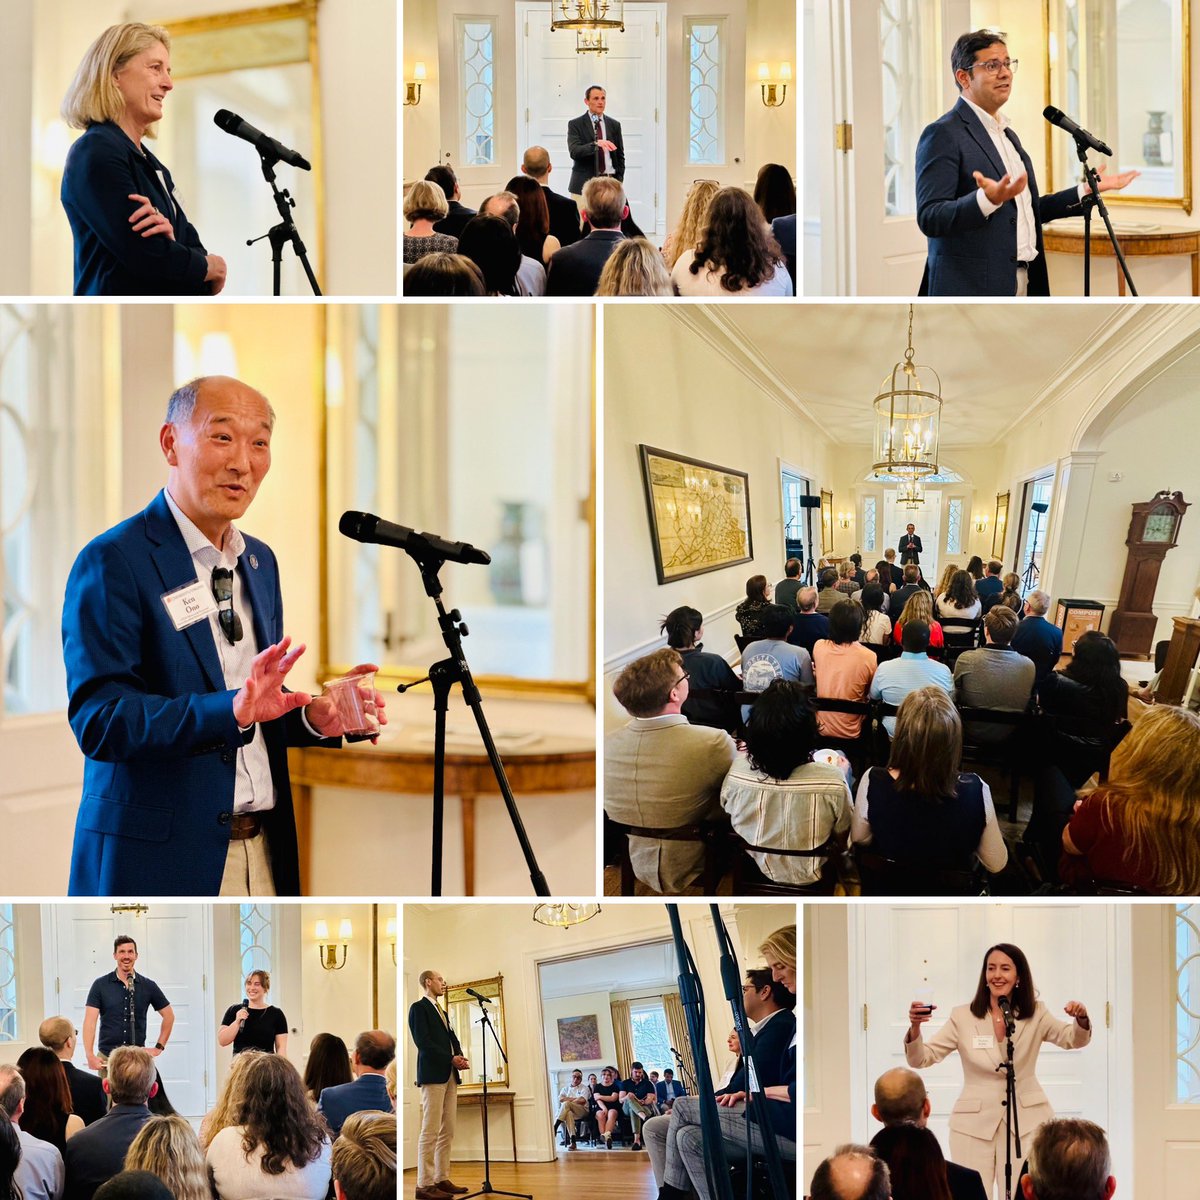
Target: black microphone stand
x,y
1031,568
1096,201
442,677
685,1074
810,565
1012,1118
485,1188
286,230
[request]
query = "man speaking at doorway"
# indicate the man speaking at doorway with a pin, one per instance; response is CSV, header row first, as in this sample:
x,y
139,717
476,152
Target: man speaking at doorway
x,y
977,197
594,143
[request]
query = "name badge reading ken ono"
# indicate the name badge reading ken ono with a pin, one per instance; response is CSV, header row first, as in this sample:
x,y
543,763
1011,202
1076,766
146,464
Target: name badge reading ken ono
x,y
191,603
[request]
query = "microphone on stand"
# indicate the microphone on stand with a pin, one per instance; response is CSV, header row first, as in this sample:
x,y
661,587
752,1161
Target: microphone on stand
x,y
480,998
366,527
231,123
1057,117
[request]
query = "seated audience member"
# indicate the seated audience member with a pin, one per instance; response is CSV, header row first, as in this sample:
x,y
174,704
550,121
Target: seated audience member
x,y
635,268
374,1049
654,1085
844,669
531,274
975,569
134,1185
1010,594
168,1148
47,1112
737,255
889,557
920,810
424,205
661,772
846,583
827,590
328,1065
774,192
994,677
1069,1158
959,601
873,577
607,1097
775,794
533,222
851,1173
667,1090
491,245
915,1162
911,584
919,607
773,657
901,1099
877,629
948,573
88,1101
457,213
364,1158
97,1153
1092,696
637,1100
30,1168
575,270
706,672
913,670
783,230
808,625
572,1104
1036,638
860,577
787,588
988,589
442,274
229,1099
279,1146
749,613
693,220
564,212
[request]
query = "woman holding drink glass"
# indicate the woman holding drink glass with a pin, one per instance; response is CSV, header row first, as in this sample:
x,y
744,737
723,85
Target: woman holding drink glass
x,y
978,1032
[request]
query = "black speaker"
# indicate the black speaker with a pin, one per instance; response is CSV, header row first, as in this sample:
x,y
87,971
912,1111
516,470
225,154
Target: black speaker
x,y
1039,506
810,501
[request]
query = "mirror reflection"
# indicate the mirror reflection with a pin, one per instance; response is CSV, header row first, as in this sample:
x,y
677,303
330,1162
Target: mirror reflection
x,y
464,1016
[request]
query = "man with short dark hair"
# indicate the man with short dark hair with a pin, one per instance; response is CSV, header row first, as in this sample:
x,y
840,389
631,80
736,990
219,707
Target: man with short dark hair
x,y
789,585
668,1090
1069,1160
40,1172
595,145
995,677
988,589
910,586
637,1100
808,625
576,270
531,275
373,1051
455,221
851,1173
910,546
913,670
1036,638
564,212
119,1002
773,657
59,1036
364,1158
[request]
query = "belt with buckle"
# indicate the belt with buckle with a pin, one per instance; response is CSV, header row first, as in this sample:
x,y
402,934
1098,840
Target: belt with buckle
x,y
1021,266
244,825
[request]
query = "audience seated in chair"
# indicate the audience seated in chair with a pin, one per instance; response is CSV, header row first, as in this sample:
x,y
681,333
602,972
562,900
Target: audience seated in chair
x,y
910,576
776,796
693,220
707,672
915,1161
851,1173
635,268
607,1097
913,670
572,1105
872,577
88,1100
364,1158
575,270
943,584
889,570
660,772
30,1168
1036,638
846,582
531,272
441,274
1010,594
808,625
490,243
533,222
774,192
919,607
959,600
988,588
637,1100
844,669
667,1090
168,1148
749,613
424,207
47,1114
458,214
876,629
827,592
975,570
374,1049
563,211
787,588
772,656
920,810
995,677
1068,1157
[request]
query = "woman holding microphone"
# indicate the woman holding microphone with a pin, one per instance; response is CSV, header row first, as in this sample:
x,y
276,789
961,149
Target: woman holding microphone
x,y
254,1024
978,1032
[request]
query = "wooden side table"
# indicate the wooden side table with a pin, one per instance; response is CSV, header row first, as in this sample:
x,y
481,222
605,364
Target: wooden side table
x,y
496,1099
1165,241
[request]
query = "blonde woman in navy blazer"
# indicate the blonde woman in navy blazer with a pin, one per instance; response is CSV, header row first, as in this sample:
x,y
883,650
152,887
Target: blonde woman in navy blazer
x,y
976,1031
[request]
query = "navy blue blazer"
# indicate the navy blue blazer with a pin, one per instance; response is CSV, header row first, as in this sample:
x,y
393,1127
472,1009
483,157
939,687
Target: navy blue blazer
x,y
436,1043
103,169
1041,642
95,1154
151,711
970,254
367,1093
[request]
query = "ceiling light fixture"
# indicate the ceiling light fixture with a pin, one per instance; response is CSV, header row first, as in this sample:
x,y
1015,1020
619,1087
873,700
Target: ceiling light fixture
x,y
908,417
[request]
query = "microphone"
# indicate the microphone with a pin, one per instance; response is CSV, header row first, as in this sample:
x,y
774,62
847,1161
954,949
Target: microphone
x,y
1006,1009
481,999
245,1005
230,122
1057,117
678,1056
366,527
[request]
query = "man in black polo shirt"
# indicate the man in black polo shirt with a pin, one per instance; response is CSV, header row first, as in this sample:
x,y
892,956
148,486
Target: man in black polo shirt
x,y
119,1002
637,1099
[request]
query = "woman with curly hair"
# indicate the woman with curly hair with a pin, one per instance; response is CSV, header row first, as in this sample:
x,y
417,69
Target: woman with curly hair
x,y
737,256
168,1147
225,1112
693,221
920,608
279,1145
948,573
47,1112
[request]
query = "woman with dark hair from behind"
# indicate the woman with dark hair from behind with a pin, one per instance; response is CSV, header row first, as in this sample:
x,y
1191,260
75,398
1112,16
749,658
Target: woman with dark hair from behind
x,y
328,1065
441,274
844,668
888,579
749,614
10,1158
533,225
777,796
1010,597
684,628
876,629
774,192
491,245
916,1162
975,567
48,1113
959,601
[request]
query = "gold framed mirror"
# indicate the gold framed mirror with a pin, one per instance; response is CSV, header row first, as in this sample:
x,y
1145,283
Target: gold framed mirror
x,y
464,1016
1122,69
999,529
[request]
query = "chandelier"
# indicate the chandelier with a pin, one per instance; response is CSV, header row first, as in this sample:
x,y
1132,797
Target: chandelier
x,y
908,417
911,494
590,41
563,916
588,14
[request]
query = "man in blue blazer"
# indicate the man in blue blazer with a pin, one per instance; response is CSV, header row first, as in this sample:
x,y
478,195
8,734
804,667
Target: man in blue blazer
x,y
373,1051
1038,639
977,197
176,661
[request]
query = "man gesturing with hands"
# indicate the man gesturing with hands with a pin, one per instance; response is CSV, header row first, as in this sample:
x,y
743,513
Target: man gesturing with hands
x,y
176,663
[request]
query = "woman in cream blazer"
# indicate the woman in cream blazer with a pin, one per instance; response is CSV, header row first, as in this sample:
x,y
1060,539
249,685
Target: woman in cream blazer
x,y
976,1031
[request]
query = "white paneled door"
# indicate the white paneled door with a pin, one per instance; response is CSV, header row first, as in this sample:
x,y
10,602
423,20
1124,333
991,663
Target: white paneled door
x,y
928,520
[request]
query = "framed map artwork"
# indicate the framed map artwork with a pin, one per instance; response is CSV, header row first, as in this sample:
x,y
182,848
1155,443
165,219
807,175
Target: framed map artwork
x,y
579,1039
699,514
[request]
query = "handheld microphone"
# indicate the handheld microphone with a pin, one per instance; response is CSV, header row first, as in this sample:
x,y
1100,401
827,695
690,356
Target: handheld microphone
x,y
245,1005
481,999
231,123
366,527
1057,117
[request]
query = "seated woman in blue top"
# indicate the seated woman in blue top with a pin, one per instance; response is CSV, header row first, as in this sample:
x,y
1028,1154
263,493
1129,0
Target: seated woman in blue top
x,y
132,237
919,810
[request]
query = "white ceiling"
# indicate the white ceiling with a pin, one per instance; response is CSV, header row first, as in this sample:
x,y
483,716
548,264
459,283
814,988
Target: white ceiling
x,y
627,970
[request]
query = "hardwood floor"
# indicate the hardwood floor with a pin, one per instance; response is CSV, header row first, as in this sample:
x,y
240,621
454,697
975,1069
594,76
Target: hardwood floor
x,y
620,1175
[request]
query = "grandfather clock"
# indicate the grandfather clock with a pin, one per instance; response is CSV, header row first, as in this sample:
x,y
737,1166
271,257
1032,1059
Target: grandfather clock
x,y
1153,531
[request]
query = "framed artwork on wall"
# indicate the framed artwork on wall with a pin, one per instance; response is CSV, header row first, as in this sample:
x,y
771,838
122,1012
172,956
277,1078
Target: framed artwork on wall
x,y
826,523
579,1039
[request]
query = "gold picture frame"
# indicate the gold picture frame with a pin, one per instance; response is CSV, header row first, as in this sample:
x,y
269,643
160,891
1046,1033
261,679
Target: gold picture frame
x,y
826,523
1000,527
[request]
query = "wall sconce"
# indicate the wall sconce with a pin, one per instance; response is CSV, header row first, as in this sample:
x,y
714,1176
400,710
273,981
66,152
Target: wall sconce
x,y
391,937
329,949
981,524
844,519
412,88
774,91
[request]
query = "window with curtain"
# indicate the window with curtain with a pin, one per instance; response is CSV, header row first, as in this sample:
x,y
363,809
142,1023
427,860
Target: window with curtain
x,y
477,49
706,100
651,1038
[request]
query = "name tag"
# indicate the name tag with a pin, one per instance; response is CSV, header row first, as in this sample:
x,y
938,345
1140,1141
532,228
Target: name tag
x,y
191,603
983,1043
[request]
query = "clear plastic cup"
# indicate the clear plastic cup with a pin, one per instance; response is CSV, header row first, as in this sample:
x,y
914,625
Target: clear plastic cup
x,y
354,698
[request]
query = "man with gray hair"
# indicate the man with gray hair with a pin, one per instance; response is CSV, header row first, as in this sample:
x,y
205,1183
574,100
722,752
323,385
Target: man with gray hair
x,y
176,661
1069,1160
1036,638
531,275
40,1172
575,270
851,1173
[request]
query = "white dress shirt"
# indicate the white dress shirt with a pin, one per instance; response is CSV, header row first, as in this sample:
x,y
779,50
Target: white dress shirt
x,y
1026,224
606,165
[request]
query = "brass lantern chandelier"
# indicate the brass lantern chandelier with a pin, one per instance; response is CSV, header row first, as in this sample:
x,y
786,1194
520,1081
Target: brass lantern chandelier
x,y
908,418
588,14
911,494
590,41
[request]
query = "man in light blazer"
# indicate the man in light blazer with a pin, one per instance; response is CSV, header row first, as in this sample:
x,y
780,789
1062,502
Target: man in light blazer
x,y
373,1051
439,1061
594,143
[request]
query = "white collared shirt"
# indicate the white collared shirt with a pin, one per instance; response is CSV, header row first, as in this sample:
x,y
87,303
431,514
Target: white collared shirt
x,y
606,157
1011,158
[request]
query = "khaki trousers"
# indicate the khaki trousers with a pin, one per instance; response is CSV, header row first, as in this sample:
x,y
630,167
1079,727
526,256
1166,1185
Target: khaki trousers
x,y
987,1157
439,1110
1022,281
248,868
569,1112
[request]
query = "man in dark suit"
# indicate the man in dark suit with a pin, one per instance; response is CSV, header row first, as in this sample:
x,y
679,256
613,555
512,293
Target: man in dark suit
x,y
910,546
455,221
575,270
564,212
97,1153
88,1101
900,1099
784,229
899,598
808,625
1036,638
977,197
373,1051
439,1061
991,585
594,143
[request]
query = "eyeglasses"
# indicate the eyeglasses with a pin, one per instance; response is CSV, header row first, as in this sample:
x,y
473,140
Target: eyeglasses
x,y
994,64
222,586
685,675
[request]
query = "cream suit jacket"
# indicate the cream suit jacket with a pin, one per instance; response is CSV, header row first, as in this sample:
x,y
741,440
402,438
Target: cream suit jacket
x,y
979,1111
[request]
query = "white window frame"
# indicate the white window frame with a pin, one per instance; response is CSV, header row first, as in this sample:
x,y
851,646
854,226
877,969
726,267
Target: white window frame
x,y
721,151
461,21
